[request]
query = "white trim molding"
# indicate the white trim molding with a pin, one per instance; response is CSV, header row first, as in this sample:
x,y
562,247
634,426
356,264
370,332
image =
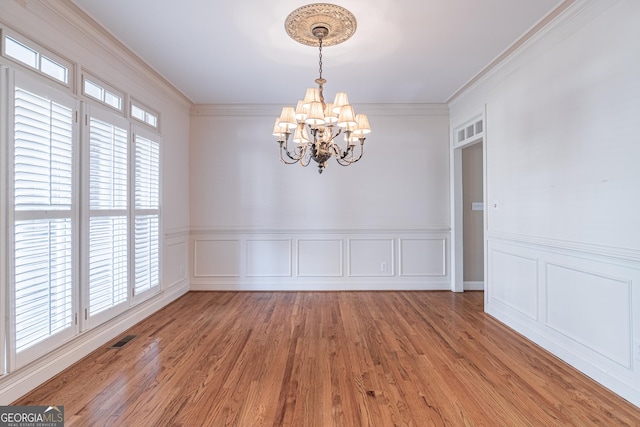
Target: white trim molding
x,y
577,300
224,259
404,110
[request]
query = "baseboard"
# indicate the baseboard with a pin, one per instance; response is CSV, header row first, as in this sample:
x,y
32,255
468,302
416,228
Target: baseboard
x,y
473,286
625,389
16,384
444,286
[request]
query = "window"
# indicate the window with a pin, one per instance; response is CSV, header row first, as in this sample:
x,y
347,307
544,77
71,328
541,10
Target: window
x,y
107,142
37,58
99,91
144,115
82,240
147,214
43,230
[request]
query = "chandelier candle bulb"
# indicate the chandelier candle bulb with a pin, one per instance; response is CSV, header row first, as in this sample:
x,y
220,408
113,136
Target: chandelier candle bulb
x,y
278,131
317,124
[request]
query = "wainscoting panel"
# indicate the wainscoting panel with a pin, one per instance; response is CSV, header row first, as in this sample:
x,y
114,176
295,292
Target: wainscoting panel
x,y
588,303
320,260
269,258
515,281
176,261
371,257
216,258
423,257
576,307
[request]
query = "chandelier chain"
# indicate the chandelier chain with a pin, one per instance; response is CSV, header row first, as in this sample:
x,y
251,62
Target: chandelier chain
x,y
320,57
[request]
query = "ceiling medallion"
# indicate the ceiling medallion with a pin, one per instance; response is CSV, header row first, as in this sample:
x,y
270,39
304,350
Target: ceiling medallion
x,y
309,130
300,24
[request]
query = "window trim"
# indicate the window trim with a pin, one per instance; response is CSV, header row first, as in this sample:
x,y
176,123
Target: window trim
x,y
148,134
135,103
85,75
41,51
28,81
101,112
4,224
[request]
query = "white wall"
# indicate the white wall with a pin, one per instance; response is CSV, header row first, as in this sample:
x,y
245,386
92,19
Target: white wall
x,y
563,189
61,28
380,223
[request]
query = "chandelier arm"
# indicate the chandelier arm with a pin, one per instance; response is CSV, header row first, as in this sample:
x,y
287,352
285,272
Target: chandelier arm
x,y
304,163
347,162
298,153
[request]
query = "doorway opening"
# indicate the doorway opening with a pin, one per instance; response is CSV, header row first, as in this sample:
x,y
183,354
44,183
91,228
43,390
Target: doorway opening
x,y
468,207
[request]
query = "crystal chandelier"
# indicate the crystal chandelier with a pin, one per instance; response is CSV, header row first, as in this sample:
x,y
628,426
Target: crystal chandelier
x,y
314,124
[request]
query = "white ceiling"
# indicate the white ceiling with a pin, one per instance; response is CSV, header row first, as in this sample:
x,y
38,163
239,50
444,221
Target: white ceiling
x,y
237,51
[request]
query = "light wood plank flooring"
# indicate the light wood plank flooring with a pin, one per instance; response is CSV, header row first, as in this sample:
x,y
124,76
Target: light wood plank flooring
x,y
328,359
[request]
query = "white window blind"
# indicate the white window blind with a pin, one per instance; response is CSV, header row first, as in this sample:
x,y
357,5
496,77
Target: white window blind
x,y
147,212
108,232
43,280
42,234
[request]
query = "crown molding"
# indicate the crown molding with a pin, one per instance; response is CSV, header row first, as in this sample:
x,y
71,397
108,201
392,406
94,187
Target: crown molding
x,y
562,13
96,33
273,110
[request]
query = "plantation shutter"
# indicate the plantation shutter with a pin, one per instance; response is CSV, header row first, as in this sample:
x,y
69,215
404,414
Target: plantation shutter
x,y
147,209
43,236
108,228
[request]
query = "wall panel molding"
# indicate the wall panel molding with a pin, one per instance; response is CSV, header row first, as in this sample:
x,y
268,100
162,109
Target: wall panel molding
x,y
320,257
423,257
588,297
268,258
565,246
231,259
603,325
216,258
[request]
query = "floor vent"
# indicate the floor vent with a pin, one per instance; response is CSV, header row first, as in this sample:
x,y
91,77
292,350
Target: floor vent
x,y
123,341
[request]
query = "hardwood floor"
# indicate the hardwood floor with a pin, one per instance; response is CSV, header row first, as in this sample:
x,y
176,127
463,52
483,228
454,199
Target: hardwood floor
x,y
328,359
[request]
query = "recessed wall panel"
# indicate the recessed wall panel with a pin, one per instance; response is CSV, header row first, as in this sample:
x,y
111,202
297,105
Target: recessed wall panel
x,y
592,309
371,257
269,258
320,258
515,282
175,262
216,258
422,257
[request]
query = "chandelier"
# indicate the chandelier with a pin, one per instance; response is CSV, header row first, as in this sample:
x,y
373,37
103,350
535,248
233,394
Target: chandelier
x,y
310,130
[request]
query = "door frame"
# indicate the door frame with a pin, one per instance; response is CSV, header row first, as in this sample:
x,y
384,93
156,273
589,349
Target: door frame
x,y
469,133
